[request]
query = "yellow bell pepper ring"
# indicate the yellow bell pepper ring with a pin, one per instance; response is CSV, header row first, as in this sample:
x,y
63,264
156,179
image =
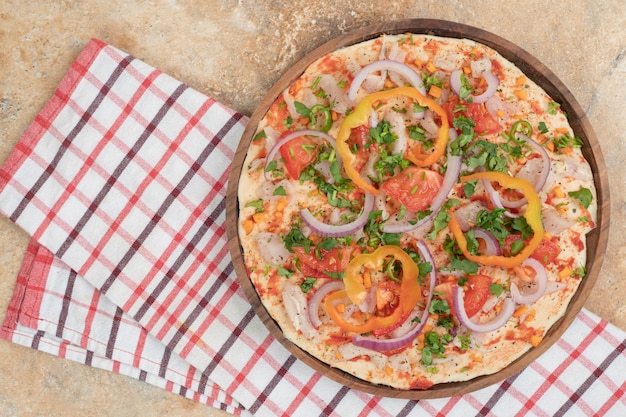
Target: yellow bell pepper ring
x,y
360,116
532,215
356,291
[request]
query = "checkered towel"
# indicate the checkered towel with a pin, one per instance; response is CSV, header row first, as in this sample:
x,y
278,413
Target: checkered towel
x,y
120,181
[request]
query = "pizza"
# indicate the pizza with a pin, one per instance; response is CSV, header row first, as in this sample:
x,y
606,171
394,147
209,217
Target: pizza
x,y
413,211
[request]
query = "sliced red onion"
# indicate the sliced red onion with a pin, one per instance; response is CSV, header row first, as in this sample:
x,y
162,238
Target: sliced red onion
x,y
540,180
492,244
373,118
323,167
336,95
466,214
540,281
296,306
317,298
452,174
383,345
499,202
271,248
508,308
386,65
291,136
492,85
545,158
330,230
554,286
398,126
553,222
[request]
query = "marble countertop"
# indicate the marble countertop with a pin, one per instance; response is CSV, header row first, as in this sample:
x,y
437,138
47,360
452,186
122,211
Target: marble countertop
x,y
234,50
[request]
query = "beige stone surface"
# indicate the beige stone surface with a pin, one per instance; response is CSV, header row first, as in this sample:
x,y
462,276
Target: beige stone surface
x,y
234,51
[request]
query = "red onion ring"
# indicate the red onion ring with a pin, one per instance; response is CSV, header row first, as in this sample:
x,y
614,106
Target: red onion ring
x,y
453,171
386,65
316,300
383,345
492,85
291,136
329,230
508,308
541,281
492,244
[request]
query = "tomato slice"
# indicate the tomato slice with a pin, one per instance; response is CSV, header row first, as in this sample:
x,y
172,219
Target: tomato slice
x,y
298,154
359,136
547,251
476,294
414,187
328,263
484,123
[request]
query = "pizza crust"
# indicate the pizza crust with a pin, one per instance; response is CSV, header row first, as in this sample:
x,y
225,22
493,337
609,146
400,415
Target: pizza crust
x,y
488,352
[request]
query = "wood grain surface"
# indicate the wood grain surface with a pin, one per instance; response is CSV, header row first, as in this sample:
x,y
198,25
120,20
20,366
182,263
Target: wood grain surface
x,y
597,239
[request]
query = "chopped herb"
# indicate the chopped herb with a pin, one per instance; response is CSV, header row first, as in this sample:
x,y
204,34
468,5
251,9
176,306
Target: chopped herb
x,y
325,122
434,346
520,224
283,272
439,223
464,265
416,133
552,107
430,80
583,195
260,135
328,243
295,237
271,166
466,126
579,272
257,204
516,247
307,284
542,127
565,141
382,133
424,268
418,108
486,154
465,340
469,188
472,242
401,212
375,236
438,306
466,88
493,222
334,275
496,289
387,164
280,190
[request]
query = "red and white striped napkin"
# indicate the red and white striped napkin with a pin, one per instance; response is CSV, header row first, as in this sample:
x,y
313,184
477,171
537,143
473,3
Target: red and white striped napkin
x,y
120,181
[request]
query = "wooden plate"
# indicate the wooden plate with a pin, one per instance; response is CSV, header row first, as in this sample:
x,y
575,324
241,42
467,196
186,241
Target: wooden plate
x,y
596,239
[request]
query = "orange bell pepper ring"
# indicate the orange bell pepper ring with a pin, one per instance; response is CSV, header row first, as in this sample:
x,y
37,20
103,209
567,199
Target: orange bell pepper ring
x,y
360,116
532,215
356,291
